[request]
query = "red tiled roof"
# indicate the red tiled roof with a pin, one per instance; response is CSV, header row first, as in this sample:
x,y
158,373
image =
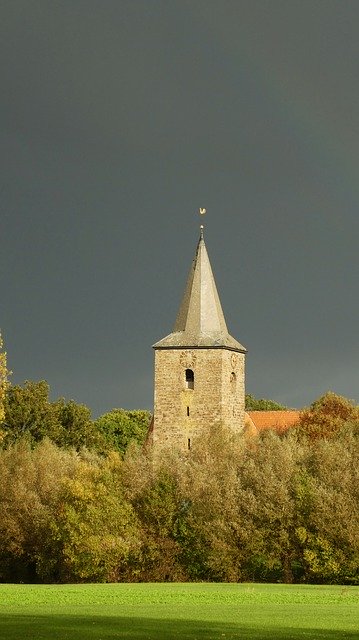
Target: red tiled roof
x,y
279,421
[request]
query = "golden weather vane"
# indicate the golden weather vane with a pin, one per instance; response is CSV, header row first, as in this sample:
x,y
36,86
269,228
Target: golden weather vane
x,y
202,211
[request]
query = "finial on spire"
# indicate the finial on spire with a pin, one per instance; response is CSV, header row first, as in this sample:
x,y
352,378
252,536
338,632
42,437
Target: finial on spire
x,y
202,211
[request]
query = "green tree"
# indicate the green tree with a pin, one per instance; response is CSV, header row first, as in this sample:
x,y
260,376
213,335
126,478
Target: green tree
x,y
213,546
93,531
120,427
31,481
159,509
267,475
63,515
232,509
261,404
188,509
30,413
77,428
329,532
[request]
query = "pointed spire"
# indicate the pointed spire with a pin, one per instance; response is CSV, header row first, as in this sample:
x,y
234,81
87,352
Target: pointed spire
x,y
200,321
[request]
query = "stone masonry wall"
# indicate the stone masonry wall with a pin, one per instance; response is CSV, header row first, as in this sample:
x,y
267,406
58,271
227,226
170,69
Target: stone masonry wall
x,y
217,396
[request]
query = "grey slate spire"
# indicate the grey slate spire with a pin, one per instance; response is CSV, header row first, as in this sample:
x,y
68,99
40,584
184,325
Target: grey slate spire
x,y
200,321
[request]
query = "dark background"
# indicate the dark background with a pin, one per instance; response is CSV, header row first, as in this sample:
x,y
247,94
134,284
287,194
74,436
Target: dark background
x,y
119,119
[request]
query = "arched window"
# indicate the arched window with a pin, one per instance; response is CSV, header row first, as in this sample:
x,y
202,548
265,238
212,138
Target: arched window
x,y
189,379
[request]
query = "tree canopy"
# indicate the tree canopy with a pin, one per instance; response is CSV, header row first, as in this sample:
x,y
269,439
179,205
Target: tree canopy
x,y
120,427
327,416
261,404
3,379
285,509
29,412
79,502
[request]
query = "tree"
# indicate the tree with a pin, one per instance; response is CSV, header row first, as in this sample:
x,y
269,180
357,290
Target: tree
x,y
214,538
328,529
63,515
77,428
3,379
159,509
274,509
267,477
120,427
327,416
261,404
31,481
29,412
93,531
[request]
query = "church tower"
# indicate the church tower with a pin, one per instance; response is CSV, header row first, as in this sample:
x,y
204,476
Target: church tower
x,y
199,367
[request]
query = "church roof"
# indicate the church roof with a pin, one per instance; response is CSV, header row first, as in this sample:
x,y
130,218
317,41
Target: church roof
x,y
279,421
200,321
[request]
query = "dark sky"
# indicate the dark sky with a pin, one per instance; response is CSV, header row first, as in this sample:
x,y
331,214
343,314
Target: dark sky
x,y
119,119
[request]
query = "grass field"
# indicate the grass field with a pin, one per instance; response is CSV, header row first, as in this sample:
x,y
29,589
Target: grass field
x,y
165,611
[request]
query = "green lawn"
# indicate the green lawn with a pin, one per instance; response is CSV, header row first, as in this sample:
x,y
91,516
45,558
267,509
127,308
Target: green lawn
x,y
165,611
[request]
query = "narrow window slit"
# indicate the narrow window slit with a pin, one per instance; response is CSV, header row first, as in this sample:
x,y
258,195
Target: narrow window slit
x,y
189,379
188,411
189,444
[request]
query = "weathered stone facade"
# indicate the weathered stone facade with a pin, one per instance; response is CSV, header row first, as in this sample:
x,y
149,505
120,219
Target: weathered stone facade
x,y
199,367
217,396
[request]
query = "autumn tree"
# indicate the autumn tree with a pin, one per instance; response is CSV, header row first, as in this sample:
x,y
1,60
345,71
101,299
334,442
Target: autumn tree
x,y
93,529
31,481
63,515
327,416
3,379
268,477
328,530
234,509
274,508
188,510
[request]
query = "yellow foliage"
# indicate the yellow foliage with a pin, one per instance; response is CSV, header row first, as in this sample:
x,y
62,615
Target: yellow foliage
x,y
301,534
3,379
318,553
326,416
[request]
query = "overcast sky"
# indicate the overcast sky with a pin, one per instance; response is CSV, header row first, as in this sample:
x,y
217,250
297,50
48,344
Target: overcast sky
x,y
119,119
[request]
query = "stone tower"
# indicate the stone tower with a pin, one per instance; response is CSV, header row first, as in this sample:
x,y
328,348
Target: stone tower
x,y
199,367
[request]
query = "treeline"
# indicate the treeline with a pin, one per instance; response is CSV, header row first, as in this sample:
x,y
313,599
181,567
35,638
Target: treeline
x,y
28,412
82,501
